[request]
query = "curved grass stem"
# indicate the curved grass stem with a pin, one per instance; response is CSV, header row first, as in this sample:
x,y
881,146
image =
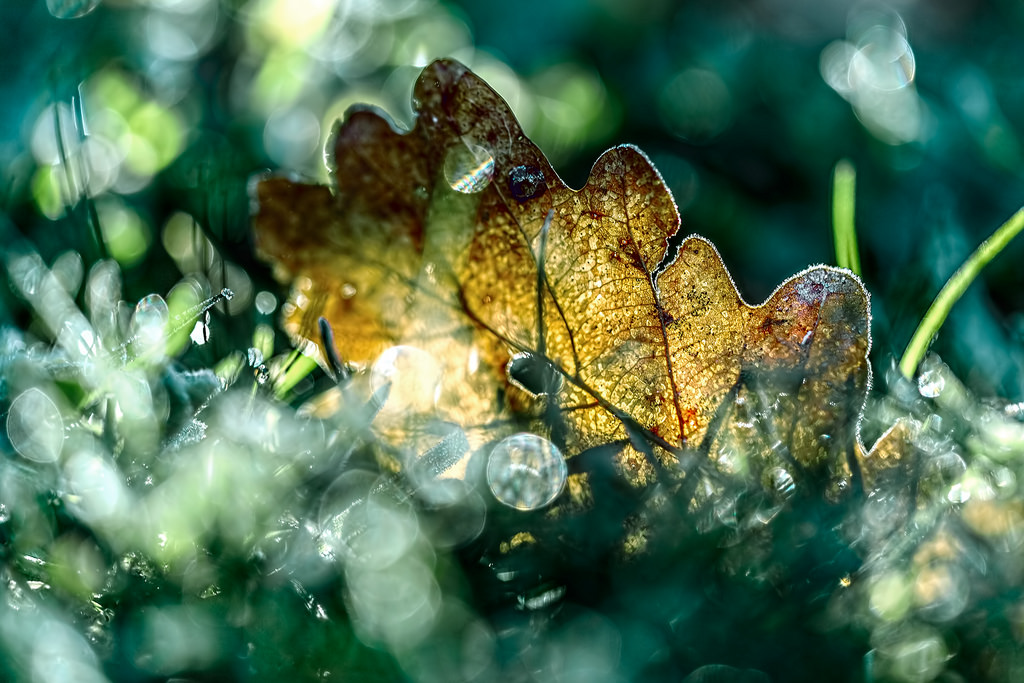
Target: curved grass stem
x,y
954,289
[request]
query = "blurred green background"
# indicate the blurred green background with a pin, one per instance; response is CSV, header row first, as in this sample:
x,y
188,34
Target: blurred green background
x,y
130,130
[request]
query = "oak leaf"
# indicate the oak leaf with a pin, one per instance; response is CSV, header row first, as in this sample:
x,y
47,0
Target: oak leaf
x,y
459,239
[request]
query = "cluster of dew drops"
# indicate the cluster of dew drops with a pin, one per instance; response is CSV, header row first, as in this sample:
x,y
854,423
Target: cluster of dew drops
x,y
524,471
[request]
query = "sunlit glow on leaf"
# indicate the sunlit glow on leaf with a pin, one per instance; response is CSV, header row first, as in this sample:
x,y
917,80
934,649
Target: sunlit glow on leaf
x,y
412,377
505,260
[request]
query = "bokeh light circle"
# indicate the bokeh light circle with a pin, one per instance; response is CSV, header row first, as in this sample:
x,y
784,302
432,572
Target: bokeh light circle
x,y
526,471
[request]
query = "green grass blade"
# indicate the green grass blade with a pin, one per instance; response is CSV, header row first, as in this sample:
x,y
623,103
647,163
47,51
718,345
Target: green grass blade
x,y
844,184
954,289
297,367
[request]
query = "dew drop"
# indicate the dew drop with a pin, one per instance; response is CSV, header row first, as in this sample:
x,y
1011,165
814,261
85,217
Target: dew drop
x,y
930,383
958,494
254,357
35,427
526,182
149,320
468,168
526,471
534,374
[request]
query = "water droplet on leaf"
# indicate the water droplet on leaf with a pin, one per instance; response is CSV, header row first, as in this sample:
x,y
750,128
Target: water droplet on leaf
x,y
35,427
526,471
534,374
468,168
526,182
149,323
930,383
254,357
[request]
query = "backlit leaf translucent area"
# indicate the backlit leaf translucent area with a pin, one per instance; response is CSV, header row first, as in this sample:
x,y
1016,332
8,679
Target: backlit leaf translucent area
x,y
457,238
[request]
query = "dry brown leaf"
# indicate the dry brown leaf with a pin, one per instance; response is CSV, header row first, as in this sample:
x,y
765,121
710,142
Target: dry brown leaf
x,y
458,238
888,463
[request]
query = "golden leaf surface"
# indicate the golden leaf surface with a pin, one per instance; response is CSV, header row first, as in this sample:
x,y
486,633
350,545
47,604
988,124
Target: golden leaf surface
x,y
458,238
